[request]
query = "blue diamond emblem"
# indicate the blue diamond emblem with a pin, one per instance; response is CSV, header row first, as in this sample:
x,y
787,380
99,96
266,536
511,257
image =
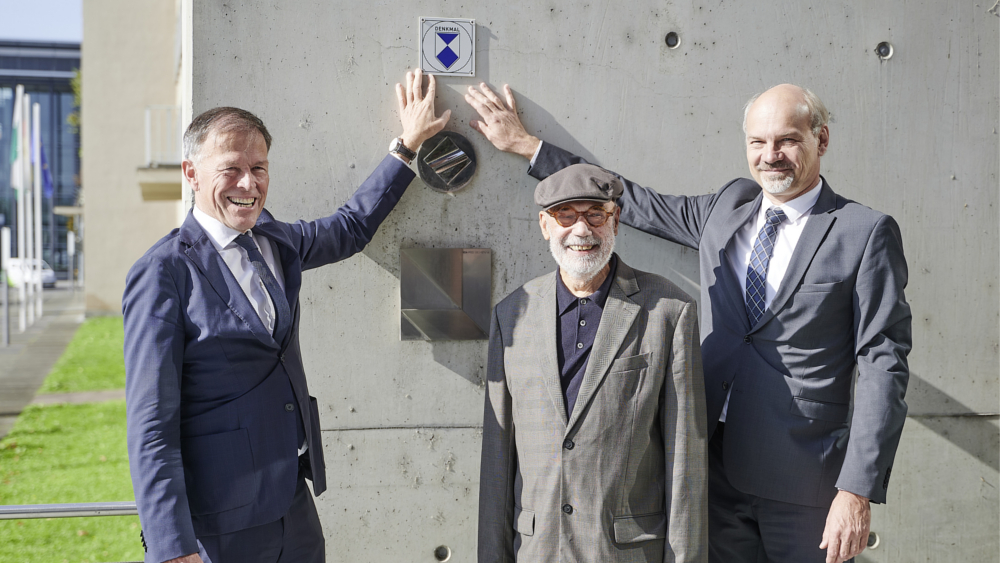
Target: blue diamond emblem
x,y
447,57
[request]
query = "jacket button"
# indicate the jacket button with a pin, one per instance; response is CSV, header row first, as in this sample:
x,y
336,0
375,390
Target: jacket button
x,y
567,509
289,407
748,339
725,385
281,358
568,444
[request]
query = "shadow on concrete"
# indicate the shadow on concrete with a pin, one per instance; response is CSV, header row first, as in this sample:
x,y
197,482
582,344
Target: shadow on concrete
x,y
976,433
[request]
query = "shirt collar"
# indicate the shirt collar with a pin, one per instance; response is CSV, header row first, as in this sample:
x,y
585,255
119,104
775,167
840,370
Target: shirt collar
x,y
565,299
220,235
798,207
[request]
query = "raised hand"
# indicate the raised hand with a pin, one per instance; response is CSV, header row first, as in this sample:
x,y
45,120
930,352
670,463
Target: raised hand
x,y
416,110
500,124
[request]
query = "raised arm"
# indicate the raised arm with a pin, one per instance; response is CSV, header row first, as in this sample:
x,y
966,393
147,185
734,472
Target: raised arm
x,y
352,227
679,219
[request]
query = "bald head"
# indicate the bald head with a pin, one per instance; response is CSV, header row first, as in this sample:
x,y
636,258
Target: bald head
x,y
803,98
786,134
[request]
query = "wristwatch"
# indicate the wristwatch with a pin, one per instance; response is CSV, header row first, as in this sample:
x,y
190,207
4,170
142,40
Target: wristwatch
x,y
397,147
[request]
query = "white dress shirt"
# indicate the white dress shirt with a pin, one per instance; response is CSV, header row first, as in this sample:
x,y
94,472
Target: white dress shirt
x,y
236,258
797,212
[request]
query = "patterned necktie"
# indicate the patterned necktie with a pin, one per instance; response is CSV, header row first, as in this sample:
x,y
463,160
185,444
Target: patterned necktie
x,y
281,312
760,258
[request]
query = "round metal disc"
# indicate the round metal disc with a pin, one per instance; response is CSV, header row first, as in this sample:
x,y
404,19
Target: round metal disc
x,y
446,162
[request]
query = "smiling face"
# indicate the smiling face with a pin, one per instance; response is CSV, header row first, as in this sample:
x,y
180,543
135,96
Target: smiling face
x,y
229,177
581,250
782,151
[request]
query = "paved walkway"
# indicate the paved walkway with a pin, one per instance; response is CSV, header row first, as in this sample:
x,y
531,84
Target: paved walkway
x,y
31,354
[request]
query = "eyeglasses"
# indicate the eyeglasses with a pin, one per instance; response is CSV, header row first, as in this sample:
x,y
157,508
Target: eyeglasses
x,y
566,216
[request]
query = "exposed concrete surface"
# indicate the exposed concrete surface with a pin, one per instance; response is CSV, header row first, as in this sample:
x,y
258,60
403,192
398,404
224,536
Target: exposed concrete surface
x,y
31,355
914,136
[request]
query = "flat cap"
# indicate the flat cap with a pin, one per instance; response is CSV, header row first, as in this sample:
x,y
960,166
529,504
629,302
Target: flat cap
x,y
578,182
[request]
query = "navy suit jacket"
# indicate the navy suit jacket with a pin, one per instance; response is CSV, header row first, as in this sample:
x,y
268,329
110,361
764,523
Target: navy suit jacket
x,y
217,406
798,427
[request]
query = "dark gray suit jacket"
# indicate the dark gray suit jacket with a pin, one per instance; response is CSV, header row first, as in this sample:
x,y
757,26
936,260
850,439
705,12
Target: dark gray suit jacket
x,y
793,432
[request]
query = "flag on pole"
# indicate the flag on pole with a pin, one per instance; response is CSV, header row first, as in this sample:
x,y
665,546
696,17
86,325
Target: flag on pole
x,y
46,176
16,150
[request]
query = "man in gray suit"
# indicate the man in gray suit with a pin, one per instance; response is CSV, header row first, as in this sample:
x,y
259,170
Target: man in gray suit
x,y
594,443
801,289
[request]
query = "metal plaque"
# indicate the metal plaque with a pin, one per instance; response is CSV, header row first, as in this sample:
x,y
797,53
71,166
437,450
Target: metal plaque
x,y
446,162
444,293
448,46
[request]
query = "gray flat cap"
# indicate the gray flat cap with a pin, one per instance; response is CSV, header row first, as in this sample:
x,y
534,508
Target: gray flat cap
x,y
578,182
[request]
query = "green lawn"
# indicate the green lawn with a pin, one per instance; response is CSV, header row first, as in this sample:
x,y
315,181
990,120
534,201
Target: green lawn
x,y
72,453
92,361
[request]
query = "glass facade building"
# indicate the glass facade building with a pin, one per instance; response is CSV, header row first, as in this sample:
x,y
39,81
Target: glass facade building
x,y
45,70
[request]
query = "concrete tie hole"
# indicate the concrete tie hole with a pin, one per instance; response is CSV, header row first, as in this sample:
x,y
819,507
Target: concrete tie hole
x,y
673,40
884,50
873,540
442,553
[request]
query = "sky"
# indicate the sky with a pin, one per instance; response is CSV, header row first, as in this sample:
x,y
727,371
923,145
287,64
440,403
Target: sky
x,y
42,20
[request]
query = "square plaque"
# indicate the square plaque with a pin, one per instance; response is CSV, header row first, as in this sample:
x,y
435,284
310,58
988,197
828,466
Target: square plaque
x,y
448,46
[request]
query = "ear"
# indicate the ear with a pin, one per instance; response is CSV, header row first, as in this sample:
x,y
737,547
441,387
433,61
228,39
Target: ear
x,y
618,214
824,140
190,174
544,225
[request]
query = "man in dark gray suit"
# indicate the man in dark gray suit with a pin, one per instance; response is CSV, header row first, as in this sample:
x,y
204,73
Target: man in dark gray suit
x,y
594,439
801,288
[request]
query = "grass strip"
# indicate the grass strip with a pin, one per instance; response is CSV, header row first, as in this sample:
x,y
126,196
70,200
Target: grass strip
x,y
61,454
93,360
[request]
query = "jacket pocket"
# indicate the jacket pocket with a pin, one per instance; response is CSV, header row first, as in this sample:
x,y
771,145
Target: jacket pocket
x,y
821,287
818,410
645,527
524,522
629,363
219,471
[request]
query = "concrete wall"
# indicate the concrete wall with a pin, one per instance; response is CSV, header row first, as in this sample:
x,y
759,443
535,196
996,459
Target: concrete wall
x,y
914,136
128,64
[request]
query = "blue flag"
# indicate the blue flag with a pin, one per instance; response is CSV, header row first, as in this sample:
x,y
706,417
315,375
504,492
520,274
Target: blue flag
x,y
46,176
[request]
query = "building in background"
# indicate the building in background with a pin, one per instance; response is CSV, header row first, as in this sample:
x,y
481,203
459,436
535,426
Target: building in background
x,y
46,70
130,132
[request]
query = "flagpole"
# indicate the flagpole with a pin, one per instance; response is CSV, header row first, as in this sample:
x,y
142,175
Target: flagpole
x,y
29,216
17,175
36,132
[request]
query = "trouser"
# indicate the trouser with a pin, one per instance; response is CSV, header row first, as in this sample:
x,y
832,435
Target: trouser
x,y
745,528
295,538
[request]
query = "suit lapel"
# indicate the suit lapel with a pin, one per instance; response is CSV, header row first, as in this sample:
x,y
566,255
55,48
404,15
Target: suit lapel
x,y
616,320
548,316
203,254
817,225
727,278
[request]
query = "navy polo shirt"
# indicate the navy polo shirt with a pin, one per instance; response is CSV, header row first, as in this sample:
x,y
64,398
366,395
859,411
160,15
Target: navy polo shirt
x,y
579,318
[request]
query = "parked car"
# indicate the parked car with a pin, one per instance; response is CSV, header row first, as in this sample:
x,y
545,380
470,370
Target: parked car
x,y
14,273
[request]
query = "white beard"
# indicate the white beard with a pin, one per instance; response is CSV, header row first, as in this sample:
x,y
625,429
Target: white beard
x,y
777,186
583,267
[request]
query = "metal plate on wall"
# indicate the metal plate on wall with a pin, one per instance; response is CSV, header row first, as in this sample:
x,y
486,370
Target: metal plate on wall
x,y
444,293
446,162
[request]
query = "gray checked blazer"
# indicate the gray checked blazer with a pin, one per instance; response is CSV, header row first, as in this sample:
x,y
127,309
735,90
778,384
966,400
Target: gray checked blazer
x,y
624,479
799,424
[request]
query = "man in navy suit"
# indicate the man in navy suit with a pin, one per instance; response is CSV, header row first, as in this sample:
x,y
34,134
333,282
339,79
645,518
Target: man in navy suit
x,y
800,289
222,432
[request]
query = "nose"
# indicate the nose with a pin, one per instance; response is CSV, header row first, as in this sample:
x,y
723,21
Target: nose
x,y
247,181
773,153
581,227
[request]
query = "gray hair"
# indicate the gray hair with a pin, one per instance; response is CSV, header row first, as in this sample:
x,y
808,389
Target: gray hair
x,y
818,114
221,120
